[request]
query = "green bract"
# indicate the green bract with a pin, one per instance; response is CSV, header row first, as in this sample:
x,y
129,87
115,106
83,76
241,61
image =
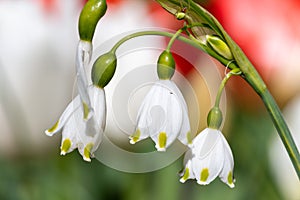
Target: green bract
x,y
103,69
180,15
214,118
219,46
165,65
89,17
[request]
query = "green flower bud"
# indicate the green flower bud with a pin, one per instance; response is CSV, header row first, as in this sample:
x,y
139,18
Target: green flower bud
x,y
165,65
214,118
180,15
89,17
219,46
104,69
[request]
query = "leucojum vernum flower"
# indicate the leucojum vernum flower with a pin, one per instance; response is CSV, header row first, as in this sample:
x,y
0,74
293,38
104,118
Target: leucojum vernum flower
x,y
163,114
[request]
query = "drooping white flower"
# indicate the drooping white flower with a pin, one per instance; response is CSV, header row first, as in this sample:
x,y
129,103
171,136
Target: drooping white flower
x,y
86,135
209,156
163,116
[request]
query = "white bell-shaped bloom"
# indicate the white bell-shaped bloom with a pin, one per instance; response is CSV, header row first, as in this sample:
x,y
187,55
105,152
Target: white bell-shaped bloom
x,y
209,156
86,135
163,116
83,57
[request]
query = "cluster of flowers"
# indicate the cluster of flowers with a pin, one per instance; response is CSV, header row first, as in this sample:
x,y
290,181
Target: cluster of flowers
x,y
83,121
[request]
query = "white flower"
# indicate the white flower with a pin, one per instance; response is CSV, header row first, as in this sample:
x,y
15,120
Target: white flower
x,y
163,116
77,132
209,156
83,57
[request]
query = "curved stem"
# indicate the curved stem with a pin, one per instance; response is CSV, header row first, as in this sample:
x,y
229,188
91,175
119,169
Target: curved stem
x,y
173,39
253,78
282,129
145,33
190,41
235,71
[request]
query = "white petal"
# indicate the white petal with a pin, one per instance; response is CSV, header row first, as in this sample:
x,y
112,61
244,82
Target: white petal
x,y
185,136
83,57
188,172
145,124
88,143
160,115
185,131
171,120
198,141
73,105
70,132
91,137
226,175
208,161
97,96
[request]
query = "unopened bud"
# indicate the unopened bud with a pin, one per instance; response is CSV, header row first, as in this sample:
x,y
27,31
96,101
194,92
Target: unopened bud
x,y
219,46
165,65
214,118
89,17
104,69
180,15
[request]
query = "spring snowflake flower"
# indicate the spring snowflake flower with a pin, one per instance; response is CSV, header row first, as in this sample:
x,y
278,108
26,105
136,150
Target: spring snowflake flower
x,y
208,157
163,116
77,132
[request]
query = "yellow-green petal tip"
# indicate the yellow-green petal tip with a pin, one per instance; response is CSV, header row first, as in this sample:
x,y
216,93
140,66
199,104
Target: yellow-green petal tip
x,y
66,145
135,137
52,129
87,152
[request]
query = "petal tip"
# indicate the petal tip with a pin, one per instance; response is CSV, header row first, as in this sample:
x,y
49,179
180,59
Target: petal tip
x,y
87,152
202,183
135,137
51,131
161,149
182,180
48,133
87,159
162,141
65,146
132,141
185,175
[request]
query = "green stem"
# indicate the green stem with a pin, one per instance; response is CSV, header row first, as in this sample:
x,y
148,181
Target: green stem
x,y
282,129
190,41
145,33
173,39
235,71
253,78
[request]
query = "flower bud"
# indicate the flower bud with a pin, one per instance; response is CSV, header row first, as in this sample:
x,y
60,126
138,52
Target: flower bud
x,y
180,15
103,69
89,17
219,46
165,65
214,118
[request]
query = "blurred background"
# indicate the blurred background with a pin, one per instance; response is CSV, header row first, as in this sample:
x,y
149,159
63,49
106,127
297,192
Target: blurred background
x,y
38,41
